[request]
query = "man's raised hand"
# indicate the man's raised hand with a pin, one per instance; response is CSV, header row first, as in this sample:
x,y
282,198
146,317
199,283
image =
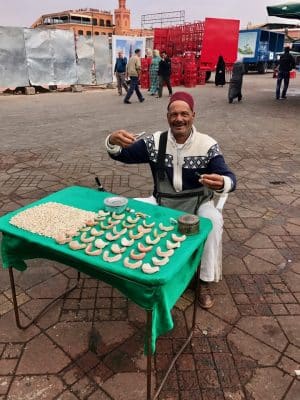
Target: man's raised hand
x,y
122,138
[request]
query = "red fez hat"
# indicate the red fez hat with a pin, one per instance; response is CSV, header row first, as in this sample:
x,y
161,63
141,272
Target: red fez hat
x,y
183,96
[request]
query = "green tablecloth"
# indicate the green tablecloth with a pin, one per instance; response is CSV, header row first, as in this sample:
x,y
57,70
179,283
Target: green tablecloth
x,y
158,292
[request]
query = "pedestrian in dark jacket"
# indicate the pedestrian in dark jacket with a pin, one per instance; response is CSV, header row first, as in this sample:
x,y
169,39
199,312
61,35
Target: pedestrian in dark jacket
x,y
286,64
236,82
120,72
164,73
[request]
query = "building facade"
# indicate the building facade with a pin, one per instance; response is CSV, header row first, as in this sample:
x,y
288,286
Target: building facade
x,y
91,21
86,22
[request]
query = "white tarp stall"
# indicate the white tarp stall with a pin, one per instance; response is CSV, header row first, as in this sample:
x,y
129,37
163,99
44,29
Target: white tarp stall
x,y
64,57
103,66
50,56
13,65
85,60
40,57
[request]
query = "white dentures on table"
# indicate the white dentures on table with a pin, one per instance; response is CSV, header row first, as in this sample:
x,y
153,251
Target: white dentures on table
x,y
149,240
133,230
137,256
132,265
148,269
132,220
143,230
105,227
151,225
117,216
134,236
75,245
115,248
102,213
172,245
95,232
113,222
127,243
100,244
165,228
115,258
63,239
115,231
160,261
90,252
144,249
110,236
177,238
167,253
127,225
86,239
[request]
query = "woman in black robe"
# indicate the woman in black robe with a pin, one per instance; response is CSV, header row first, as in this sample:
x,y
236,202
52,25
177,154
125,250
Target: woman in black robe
x,y
220,72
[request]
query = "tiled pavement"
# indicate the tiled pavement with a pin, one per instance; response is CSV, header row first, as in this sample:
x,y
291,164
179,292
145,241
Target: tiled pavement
x,y
247,347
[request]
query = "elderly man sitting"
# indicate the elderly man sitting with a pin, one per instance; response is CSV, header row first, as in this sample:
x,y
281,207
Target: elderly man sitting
x,y
187,168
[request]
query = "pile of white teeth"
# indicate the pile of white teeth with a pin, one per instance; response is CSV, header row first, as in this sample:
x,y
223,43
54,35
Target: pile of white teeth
x,y
52,219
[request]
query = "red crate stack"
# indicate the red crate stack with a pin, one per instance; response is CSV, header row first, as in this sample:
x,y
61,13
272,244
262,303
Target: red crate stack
x,y
183,44
176,68
201,77
177,40
201,73
190,72
160,38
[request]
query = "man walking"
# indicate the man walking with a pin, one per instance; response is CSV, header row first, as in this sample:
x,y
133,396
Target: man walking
x,y
286,64
120,71
133,71
164,73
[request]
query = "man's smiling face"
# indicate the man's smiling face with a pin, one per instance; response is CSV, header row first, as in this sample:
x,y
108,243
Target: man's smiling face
x,y
180,118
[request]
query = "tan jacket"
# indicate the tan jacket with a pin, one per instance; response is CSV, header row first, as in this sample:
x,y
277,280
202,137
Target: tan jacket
x,y
134,66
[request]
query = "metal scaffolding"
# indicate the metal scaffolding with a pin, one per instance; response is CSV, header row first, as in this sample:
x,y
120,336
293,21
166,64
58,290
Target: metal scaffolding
x,y
156,20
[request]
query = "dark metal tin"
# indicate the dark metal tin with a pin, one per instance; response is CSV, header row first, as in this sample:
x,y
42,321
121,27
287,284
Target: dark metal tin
x,y
188,224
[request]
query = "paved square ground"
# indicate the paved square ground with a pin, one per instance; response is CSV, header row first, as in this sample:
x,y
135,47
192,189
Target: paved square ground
x,y
248,345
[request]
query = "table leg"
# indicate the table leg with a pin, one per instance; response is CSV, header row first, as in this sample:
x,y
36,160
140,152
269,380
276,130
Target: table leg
x,y
15,302
157,393
149,354
14,297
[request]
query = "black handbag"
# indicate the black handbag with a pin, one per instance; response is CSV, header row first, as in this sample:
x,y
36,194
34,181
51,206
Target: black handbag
x,y
186,200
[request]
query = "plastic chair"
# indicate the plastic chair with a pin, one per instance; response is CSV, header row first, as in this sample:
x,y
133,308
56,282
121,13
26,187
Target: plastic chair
x,y
219,200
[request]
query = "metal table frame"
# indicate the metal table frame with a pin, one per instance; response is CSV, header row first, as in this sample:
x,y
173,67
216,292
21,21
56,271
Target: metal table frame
x,y
148,329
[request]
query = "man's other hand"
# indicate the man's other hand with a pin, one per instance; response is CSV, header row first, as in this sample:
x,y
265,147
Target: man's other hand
x,y
212,181
122,138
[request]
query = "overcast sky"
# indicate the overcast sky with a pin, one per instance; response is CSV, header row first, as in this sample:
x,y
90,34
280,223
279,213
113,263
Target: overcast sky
x,y
25,12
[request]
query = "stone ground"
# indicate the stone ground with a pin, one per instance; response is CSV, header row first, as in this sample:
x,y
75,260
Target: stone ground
x,y
248,345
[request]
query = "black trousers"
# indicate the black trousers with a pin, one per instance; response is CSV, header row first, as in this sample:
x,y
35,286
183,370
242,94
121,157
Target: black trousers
x,y
134,87
162,80
285,77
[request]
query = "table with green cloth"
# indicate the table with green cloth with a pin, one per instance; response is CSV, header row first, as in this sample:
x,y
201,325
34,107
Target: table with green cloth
x,y
156,292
